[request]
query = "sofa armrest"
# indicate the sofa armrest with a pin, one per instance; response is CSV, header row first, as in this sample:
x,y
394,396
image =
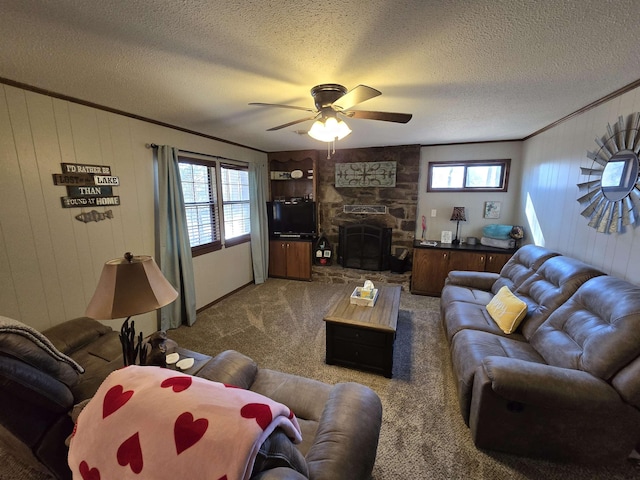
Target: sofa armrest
x,y
347,438
232,368
547,386
480,280
553,413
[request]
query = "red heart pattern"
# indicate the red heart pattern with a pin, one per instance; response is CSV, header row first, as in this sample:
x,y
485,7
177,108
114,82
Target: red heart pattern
x,y
130,453
88,473
179,384
259,411
187,431
115,398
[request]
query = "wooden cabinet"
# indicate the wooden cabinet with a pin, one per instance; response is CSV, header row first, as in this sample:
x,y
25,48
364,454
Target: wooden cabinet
x,y
430,268
302,184
431,265
290,259
495,261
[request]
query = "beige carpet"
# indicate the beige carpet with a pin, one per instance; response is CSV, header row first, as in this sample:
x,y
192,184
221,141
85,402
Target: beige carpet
x,y
279,324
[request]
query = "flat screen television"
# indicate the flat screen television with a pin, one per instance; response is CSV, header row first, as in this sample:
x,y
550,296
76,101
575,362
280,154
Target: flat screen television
x,y
292,219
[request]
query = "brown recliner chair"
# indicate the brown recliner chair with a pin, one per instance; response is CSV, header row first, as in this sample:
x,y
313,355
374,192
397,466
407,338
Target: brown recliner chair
x,y
39,390
340,423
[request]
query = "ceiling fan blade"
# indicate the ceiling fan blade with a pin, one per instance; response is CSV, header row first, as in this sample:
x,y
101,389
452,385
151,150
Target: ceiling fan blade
x,y
356,95
285,125
384,116
278,105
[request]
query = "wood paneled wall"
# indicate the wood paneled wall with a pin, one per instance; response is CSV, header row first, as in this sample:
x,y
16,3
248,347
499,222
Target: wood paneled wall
x,y
49,261
547,204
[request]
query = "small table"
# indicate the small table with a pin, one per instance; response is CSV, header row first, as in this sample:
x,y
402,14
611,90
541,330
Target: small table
x,y
199,359
362,337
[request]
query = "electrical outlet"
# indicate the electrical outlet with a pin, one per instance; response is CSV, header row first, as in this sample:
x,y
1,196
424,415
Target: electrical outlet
x,y
433,212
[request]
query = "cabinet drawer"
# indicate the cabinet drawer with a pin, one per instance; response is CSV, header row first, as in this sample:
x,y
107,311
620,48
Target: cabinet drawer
x,y
359,335
358,354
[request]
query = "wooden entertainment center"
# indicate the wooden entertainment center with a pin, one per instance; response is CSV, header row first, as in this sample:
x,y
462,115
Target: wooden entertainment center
x,y
292,178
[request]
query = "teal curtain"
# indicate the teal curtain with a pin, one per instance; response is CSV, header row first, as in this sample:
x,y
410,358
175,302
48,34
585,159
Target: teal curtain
x,y
173,251
259,227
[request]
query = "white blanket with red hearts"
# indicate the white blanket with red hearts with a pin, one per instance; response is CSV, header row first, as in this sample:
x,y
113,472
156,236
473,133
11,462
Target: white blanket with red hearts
x,y
155,423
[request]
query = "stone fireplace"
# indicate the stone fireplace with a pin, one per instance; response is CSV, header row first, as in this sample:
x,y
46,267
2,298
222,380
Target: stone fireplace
x,y
366,247
401,200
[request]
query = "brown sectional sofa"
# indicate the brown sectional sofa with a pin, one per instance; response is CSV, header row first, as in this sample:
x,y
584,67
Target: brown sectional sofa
x,y
340,423
566,384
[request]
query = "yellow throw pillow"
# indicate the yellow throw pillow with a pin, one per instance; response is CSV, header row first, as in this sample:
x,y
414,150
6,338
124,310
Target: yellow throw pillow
x,y
507,310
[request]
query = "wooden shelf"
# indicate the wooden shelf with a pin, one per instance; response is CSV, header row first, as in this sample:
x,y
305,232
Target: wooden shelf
x,y
305,187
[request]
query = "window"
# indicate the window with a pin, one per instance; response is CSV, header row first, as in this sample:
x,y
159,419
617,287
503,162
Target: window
x,y
199,190
208,220
235,204
469,176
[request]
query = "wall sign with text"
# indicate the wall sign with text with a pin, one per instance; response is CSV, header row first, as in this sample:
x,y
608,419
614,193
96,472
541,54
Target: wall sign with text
x,y
88,186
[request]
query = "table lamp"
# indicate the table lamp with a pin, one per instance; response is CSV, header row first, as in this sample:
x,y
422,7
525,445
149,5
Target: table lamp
x,y
129,286
457,216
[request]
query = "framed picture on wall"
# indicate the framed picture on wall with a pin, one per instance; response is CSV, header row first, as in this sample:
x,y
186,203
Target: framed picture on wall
x,y
492,209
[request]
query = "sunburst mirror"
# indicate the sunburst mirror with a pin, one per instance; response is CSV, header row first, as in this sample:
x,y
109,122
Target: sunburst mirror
x,y
612,188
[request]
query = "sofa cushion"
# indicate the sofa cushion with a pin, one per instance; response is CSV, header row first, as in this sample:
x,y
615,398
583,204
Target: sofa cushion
x,y
304,396
460,293
507,310
279,451
524,263
480,287
470,347
597,330
75,334
551,286
457,316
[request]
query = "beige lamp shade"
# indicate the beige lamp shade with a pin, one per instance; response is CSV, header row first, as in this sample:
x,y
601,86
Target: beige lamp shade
x,y
130,286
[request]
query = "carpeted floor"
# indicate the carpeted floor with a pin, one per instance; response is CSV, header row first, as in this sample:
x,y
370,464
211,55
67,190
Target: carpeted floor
x,y
279,324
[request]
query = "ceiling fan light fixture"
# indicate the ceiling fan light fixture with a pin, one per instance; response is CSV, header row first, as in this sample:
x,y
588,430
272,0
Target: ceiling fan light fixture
x,y
329,129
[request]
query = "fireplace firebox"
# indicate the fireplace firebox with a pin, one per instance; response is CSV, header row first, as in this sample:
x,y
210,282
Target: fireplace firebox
x,y
366,247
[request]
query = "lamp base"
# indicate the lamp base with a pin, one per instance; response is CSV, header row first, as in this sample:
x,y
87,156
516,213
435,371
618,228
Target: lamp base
x,y
455,241
130,348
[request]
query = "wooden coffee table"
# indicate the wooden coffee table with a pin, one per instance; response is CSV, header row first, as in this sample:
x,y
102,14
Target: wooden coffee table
x,y
362,337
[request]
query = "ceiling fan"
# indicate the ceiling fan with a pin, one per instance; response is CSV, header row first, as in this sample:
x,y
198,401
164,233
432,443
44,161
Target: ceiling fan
x,y
332,100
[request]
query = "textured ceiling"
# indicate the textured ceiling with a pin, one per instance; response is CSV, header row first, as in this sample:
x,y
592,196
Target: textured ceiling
x,y
472,70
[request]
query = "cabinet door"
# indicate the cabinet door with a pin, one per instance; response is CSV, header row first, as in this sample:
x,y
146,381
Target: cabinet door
x,y
277,258
299,260
430,269
495,261
474,261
